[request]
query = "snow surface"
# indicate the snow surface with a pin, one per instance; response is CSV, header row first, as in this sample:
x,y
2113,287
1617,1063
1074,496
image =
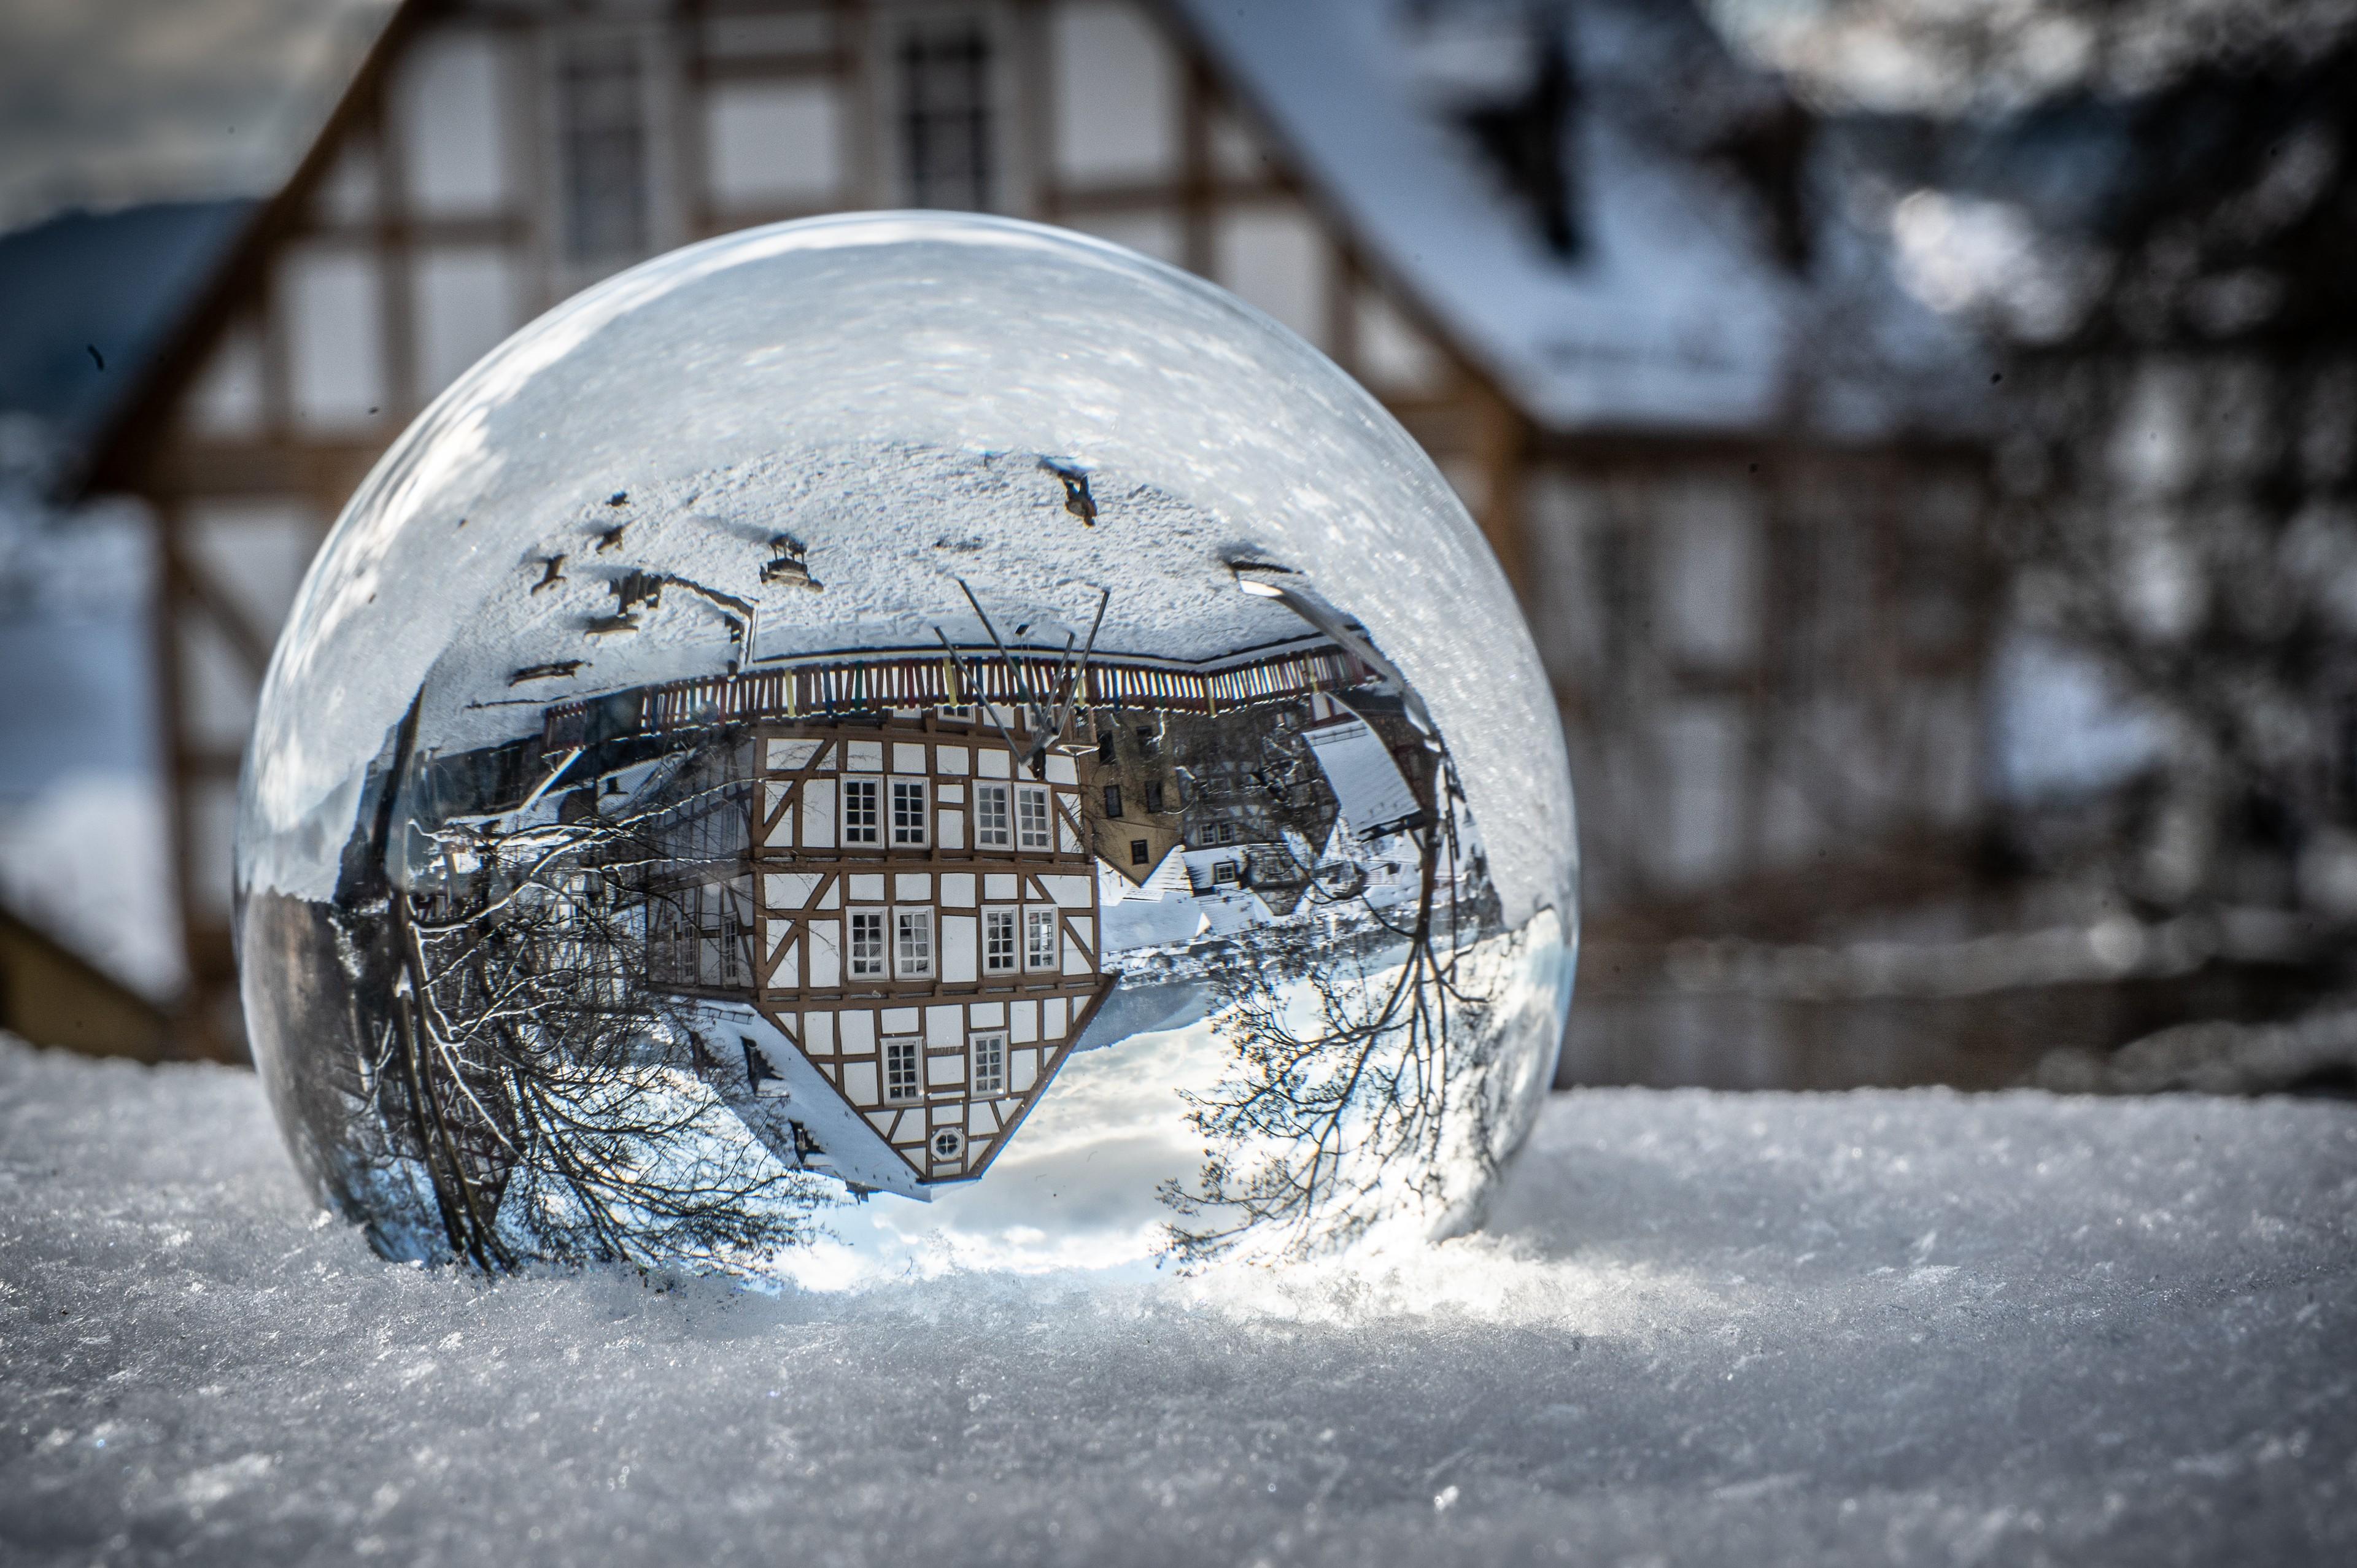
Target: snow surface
x,y
1881,1327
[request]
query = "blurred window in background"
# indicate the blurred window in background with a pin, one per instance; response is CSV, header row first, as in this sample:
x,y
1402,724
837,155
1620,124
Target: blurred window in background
x,y
601,110
946,115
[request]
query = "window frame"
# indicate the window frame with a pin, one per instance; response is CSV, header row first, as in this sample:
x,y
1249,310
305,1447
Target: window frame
x,y
854,963
1044,797
978,1085
902,1052
922,915
869,787
1012,917
919,114
921,834
574,65
1034,916
998,793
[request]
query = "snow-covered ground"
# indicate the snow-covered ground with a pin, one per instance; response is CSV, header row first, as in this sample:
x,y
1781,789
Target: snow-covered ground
x,y
1914,1327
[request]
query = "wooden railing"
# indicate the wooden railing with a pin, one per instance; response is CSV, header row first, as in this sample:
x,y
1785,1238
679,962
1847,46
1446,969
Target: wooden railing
x,y
928,680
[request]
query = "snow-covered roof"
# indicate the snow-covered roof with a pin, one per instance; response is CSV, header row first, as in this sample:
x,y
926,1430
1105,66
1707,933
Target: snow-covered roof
x,y
1674,311
90,298
891,530
1365,780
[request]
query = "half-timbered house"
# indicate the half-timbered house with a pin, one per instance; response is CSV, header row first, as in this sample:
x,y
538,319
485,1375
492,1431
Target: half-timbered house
x,y
1682,399
924,921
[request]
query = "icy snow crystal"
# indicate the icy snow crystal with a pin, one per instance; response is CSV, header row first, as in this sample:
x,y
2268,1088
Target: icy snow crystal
x,y
1914,1327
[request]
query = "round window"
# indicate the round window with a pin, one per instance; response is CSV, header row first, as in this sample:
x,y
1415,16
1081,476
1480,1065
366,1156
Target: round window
x,y
948,1144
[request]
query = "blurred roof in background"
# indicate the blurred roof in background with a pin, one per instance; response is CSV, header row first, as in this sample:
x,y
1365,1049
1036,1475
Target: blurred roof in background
x,y
91,298
1628,225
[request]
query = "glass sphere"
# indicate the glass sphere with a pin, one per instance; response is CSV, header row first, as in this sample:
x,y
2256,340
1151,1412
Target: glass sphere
x,y
900,742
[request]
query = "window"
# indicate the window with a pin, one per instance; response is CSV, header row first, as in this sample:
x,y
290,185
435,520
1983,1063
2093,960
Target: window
x,y
945,120
900,1054
913,954
601,117
1154,797
1225,871
948,1144
859,811
1031,816
1146,744
1105,747
1137,852
1038,938
909,826
989,1064
867,944
990,817
998,941
1113,800
1225,832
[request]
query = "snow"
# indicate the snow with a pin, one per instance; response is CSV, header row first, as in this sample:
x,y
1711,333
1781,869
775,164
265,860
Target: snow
x,y
78,859
892,532
84,809
1374,798
1881,1327
1675,314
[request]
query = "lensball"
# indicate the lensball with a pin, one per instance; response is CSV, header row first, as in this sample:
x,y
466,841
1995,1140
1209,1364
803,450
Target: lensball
x,y
904,742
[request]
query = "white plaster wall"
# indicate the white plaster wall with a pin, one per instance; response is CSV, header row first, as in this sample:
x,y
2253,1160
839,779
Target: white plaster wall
x,y
256,551
1115,93
1707,561
1700,749
768,143
212,838
1791,824
1948,752
349,194
775,33
217,690
1275,258
1237,152
1156,235
1395,355
467,298
1568,621
447,108
331,304
227,398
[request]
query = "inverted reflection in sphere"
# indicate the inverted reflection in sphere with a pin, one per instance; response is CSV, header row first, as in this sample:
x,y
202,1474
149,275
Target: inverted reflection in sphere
x,y
904,741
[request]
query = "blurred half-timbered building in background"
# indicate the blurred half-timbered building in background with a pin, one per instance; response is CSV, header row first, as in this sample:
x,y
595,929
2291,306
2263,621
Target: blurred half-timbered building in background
x,y
1589,261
